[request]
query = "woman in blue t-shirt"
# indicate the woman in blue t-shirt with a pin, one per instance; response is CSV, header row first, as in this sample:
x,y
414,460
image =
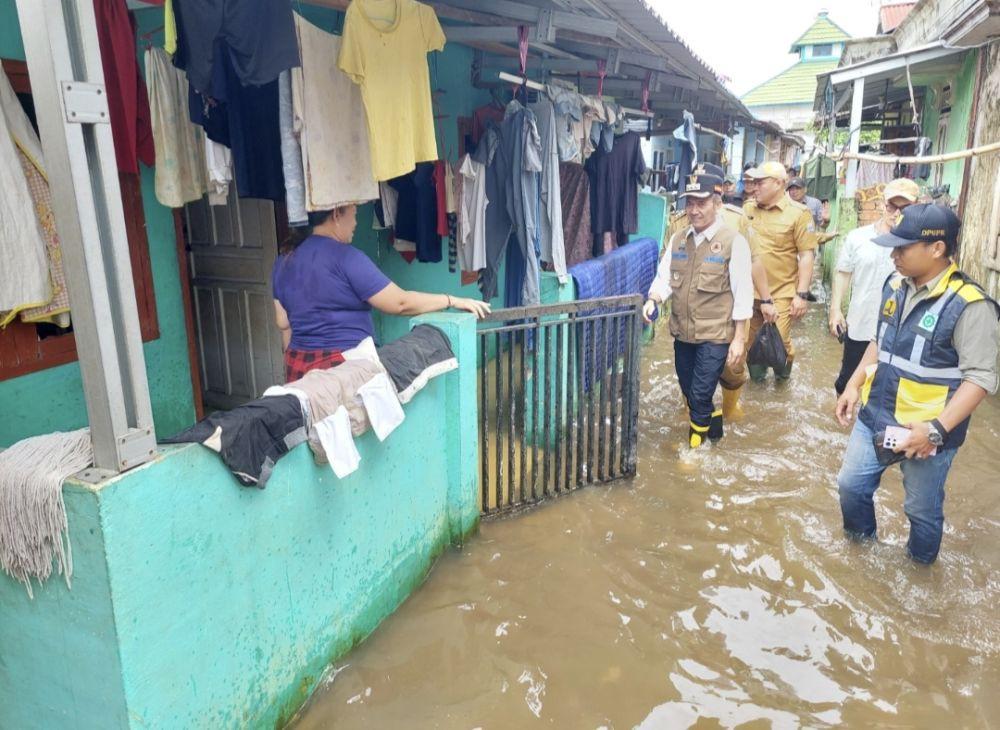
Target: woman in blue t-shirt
x,y
324,291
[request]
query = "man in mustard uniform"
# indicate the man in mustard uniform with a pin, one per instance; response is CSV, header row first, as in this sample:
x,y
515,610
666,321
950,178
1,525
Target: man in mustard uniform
x,y
785,237
705,272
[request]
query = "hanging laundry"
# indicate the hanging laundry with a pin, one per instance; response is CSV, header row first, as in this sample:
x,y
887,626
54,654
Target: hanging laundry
x,y
685,150
28,149
553,246
24,273
451,211
219,166
169,28
128,104
330,123
387,57
614,186
245,119
250,438
514,153
481,116
291,155
415,358
417,211
569,122
574,190
180,173
472,215
599,120
257,37
389,201
56,310
624,271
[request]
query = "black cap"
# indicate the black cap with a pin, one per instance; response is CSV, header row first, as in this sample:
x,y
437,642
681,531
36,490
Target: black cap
x,y
704,180
926,222
796,182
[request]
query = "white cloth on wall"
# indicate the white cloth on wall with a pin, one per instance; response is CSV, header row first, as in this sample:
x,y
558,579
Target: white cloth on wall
x,y
380,399
330,120
219,167
334,433
472,215
179,175
291,154
24,264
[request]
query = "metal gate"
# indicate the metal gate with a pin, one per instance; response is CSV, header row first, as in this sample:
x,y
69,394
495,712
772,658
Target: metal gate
x,y
558,399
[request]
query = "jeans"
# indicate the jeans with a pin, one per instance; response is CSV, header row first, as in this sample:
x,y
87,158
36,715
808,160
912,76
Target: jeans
x,y
699,367
923,483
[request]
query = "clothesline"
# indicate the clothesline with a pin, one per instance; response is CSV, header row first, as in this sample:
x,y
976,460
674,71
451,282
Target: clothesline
x,y
504,76
911,160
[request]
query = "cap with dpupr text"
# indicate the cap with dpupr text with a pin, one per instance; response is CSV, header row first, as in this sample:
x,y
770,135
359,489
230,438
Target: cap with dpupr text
x,y
925,222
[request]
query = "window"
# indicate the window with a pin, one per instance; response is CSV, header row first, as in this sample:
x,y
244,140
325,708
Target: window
x,y
940,145
822,50
27,348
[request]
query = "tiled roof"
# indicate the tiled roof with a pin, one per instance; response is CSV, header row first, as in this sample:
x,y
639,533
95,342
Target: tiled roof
x,y
796,85
890,16
823,30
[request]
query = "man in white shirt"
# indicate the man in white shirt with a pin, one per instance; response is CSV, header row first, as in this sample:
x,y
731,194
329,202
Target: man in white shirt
x,y
864,266
706,273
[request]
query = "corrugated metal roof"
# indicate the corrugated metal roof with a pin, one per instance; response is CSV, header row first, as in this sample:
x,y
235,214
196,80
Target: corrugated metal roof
x,y
890,16
648,23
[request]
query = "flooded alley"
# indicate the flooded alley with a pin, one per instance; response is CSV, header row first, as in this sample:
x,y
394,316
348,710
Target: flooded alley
x,y
714,590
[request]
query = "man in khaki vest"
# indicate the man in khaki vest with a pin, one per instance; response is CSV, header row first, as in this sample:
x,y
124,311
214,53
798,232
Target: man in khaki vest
x,y
705,271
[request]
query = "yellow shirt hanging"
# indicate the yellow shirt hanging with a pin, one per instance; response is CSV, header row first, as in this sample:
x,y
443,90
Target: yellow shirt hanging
x,y
384,51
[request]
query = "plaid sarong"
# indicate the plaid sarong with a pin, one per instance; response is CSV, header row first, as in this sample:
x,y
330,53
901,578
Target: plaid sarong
x,y
300,362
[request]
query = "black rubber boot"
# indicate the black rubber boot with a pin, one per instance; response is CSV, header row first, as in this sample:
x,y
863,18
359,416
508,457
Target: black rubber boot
x,y
715,426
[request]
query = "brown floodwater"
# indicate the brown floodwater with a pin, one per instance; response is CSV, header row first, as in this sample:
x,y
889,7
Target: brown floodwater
x,y
715,589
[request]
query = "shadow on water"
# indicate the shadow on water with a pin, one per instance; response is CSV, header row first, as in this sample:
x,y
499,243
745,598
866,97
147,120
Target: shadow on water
x,y
715,589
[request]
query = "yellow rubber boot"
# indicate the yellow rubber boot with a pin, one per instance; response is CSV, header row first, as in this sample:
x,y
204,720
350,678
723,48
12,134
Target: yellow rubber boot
x,y
731,408
696,435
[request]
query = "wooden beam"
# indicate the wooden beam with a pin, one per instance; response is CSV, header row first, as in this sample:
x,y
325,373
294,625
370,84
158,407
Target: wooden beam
x,y
530,15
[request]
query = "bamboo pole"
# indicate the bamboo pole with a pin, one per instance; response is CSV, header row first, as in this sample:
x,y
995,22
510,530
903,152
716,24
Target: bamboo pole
x,y
928,160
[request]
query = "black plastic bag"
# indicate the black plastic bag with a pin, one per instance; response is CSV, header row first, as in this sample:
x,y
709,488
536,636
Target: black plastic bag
x,y
768,350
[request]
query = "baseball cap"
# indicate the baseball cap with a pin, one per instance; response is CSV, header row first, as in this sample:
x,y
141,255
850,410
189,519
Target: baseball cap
x,y
704,180
768,169
926,222
796,182
750,172
902,187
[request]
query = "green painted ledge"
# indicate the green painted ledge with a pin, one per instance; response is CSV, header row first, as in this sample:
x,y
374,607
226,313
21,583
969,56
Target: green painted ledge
x,y
200,603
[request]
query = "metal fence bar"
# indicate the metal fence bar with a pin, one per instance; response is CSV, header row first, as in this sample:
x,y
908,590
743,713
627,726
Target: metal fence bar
x,y
499,420
560,428
510,417
547,422
581,396
591,408
626,396
484,431
570,404
615,395
524,409
534,414
633,430
602,403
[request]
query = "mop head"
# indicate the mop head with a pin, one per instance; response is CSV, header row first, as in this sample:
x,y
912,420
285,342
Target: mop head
x,y
33,526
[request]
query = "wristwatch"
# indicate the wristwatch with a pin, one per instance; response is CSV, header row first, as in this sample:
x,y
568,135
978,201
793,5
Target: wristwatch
x,y
936,432
802,295
766,301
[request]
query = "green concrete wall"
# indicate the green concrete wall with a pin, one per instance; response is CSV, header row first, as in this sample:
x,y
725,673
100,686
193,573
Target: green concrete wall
x,y
962,95
52,399
200,603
